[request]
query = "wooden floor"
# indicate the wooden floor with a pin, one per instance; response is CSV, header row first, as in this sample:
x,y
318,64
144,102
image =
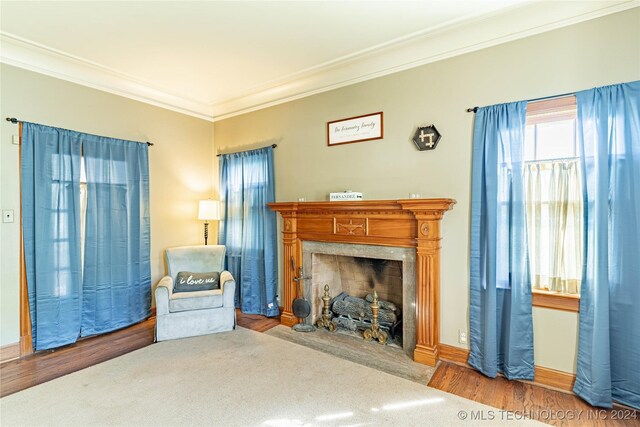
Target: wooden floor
x,y
520,398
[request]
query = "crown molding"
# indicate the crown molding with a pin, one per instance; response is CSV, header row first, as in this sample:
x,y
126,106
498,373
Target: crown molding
x,y
42,59
453,40
434,44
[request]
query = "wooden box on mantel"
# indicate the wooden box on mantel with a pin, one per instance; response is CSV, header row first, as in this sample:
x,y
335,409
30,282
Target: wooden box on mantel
x,y
400,223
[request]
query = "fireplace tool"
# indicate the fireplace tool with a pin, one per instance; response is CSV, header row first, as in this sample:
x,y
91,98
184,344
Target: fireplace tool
x,y
325,320
301,307
375,332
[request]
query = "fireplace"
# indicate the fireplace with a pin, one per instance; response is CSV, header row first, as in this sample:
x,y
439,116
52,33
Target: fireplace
x,y
358,269
409,225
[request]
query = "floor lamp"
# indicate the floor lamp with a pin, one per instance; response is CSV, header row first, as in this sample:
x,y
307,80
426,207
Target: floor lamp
x,y
208,210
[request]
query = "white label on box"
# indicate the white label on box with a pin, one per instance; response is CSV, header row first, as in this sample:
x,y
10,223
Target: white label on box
x,y
336,197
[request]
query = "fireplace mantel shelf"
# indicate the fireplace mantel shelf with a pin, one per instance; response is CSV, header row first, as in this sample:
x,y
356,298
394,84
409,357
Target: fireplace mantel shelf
x,y
400,223
386,206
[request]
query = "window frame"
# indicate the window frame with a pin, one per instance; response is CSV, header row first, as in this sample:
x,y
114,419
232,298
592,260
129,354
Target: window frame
x,y
554,300
545,111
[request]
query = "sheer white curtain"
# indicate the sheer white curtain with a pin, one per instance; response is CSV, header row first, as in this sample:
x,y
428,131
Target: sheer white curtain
x,y
554,224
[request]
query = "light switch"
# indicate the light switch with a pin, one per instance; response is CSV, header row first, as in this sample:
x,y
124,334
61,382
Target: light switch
x,y
7,215
15,139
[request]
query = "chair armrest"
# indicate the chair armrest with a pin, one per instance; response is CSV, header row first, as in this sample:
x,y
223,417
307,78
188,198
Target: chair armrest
x,y
164,290
228,286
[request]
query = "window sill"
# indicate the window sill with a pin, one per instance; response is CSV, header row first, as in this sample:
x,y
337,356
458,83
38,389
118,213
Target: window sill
x,y
555,300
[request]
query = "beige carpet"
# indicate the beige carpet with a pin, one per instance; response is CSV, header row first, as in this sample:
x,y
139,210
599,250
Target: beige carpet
x,y
238,378
386,358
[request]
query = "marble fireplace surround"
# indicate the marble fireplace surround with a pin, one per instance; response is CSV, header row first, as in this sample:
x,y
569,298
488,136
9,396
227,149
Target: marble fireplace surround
x,y
404,223
405,255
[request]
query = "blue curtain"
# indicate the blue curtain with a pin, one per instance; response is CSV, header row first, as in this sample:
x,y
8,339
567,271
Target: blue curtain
x,y
248,228
50,168
501,327
609,330
117,270
114,289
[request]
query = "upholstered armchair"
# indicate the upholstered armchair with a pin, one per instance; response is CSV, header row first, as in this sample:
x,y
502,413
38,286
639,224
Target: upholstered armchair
x,y
187,314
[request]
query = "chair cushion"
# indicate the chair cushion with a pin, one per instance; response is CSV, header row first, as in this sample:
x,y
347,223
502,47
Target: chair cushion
x,y
190,282
199,300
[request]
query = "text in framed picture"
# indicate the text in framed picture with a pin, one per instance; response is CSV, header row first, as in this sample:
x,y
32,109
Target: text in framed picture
x,y
355,129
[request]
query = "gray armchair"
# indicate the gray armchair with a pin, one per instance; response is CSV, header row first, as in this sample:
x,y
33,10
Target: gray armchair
x,y
188,314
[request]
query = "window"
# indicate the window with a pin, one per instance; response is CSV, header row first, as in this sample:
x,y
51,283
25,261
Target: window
x,y
554,203
61,237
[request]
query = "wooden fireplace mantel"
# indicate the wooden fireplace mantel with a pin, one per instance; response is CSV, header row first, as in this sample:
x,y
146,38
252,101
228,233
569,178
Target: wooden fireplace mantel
x,y
402,223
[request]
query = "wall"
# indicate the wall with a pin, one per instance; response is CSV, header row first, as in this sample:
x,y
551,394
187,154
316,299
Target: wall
x,y
594,53
180,163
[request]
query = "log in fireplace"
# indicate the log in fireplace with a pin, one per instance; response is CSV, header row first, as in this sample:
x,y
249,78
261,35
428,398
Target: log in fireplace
x,y
406,223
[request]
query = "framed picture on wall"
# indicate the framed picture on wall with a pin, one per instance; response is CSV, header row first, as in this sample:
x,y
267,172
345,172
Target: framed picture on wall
x,y
355,129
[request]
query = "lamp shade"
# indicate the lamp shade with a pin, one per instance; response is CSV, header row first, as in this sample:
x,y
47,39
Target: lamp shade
x,y
208,209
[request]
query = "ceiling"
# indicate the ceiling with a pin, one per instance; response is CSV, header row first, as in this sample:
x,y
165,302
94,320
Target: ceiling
x,y
216,59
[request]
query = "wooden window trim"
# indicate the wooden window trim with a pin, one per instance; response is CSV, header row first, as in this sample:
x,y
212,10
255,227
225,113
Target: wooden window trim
x,y
556,301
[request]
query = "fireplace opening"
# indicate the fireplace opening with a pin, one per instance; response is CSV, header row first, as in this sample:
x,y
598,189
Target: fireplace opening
x,y
358,269
352,281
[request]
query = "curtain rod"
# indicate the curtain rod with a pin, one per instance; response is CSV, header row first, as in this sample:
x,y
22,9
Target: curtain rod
x,y
475,109
15,121
233,152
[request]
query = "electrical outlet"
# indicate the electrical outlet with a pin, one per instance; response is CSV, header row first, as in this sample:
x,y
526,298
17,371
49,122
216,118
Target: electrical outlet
x,y
462,336
7,215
